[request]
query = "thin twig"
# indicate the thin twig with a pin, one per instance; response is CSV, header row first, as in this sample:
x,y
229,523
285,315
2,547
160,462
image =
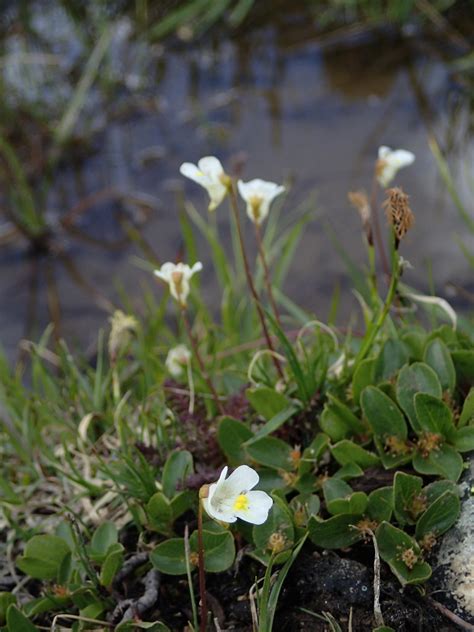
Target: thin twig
x,y
377,609
450,615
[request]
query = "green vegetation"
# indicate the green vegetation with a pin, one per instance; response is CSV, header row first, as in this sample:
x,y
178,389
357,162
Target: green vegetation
x,y
358,436
102,461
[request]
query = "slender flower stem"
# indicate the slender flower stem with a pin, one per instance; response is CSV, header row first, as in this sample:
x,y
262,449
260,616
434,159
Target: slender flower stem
x,y
266,272
202,575
376,225
372,332
187,551
235,209
202,366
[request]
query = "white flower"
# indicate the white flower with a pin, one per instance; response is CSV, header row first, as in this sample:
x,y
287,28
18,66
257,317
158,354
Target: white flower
x,y
177,276
259,194
210,174
389,162
177,358
231,498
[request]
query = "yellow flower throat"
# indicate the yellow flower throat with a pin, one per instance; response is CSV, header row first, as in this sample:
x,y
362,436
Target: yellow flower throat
x,y
241,503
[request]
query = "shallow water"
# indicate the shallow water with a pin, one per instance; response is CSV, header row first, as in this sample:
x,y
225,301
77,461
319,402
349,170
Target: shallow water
x,y
285,103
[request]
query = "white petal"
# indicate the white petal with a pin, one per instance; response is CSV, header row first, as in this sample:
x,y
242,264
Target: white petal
x,y
260,504
160,275
211,166
224,515
223,475
240,481
197,267
165,271
402,158
384,151
387,174
245,189
260,188
192,172
217,192
263,211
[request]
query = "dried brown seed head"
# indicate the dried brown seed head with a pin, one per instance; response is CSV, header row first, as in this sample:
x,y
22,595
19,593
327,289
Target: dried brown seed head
x,y
398,212
276,542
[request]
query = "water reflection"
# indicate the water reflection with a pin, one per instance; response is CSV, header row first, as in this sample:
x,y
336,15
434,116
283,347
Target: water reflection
x,y
281,102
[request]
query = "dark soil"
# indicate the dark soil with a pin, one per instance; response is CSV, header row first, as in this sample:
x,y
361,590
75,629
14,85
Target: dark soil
x,y
318,582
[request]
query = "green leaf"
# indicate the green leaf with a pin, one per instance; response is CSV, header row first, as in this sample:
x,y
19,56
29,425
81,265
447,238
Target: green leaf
x,y
267,402
279,521
347,451
65,570
447,461
438,357
363,376
313,453
348,471
380,505
332,424
17,622
440,515
181,503
434,415
464,365
160,513
383,415
6,599
43,556
169,557
341,499
406,489
104,536
277,586
345,414
467,414
416,378
8,494
337,532
271,452
464,439
219,548
231,434
274,423
112,564
178,466
303,506
391,358
414,340
393,545
434,490
303,392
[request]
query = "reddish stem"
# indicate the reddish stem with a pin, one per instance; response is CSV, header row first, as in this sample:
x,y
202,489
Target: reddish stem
x,y
202,366
202,575
266,273
235,209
